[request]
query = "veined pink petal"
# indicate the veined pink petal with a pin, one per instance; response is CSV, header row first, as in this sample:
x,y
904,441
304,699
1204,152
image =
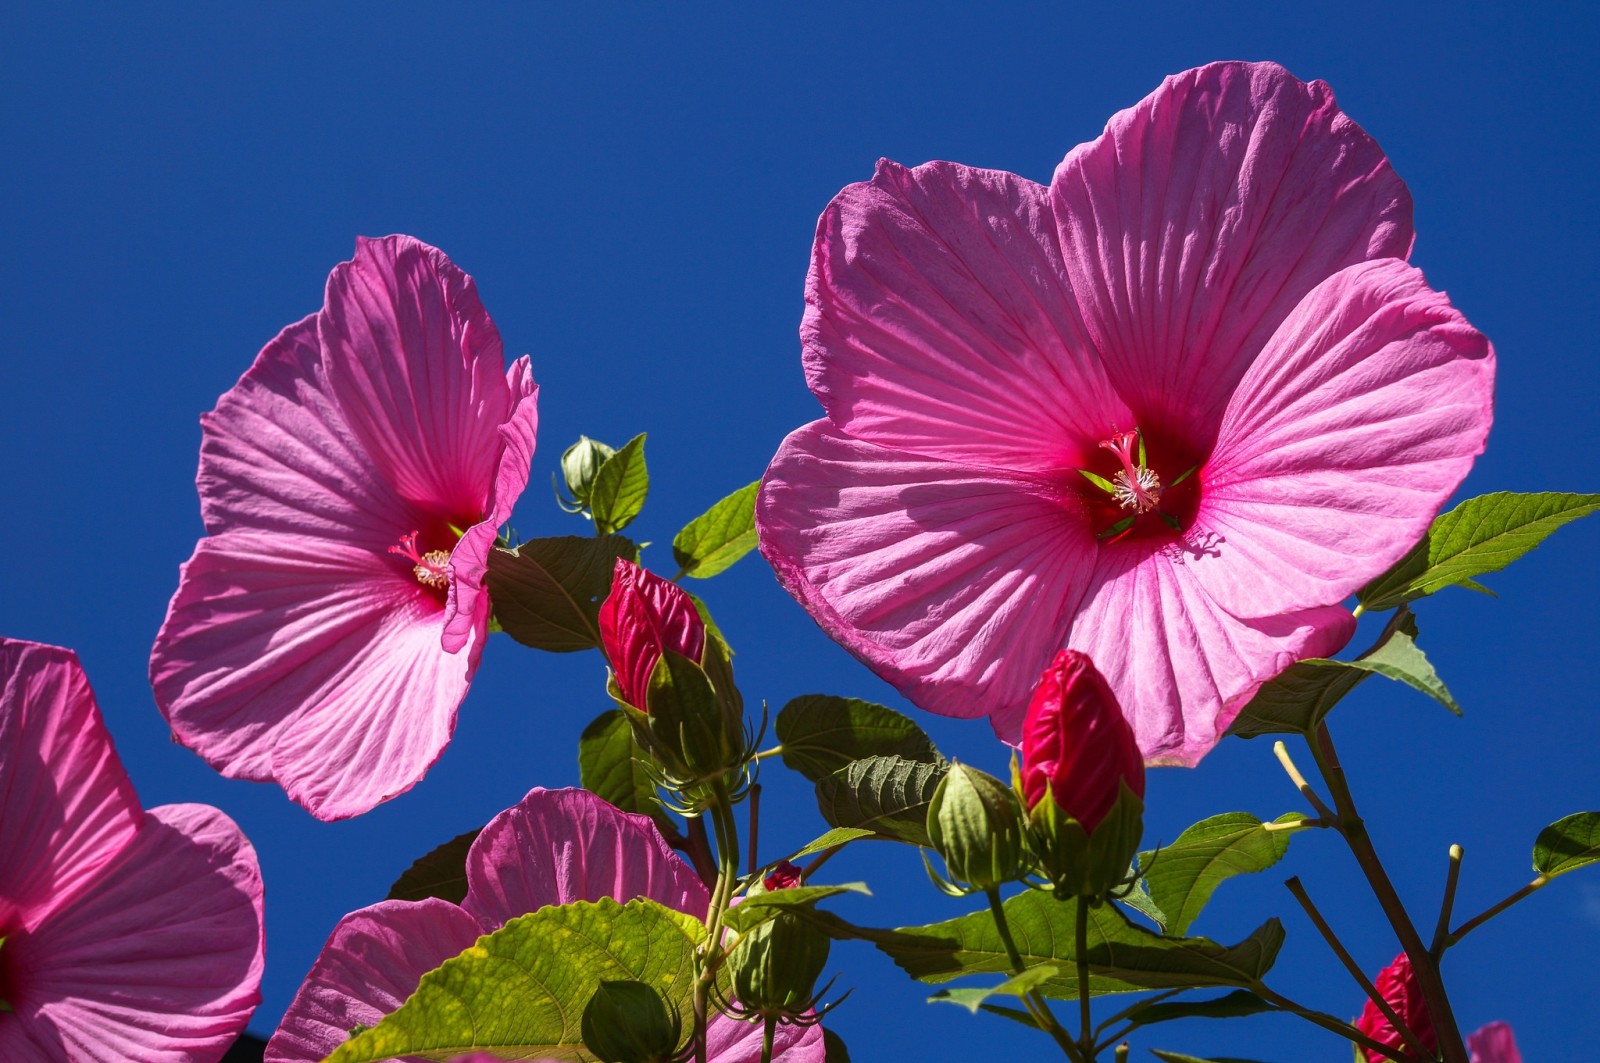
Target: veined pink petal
x,y
1203,215
66,805
953,583
159,962
466,614
560,846
372,962
1494,1044
937,322
729,1040
1359,419
1181,665
308,662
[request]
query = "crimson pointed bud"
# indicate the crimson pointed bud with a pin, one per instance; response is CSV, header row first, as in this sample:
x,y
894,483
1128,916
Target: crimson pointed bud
x,y
1397,985
783,877
643,616
1076,745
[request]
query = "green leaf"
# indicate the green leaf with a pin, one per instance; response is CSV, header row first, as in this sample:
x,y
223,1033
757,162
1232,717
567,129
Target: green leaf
x,y
1179,1057
974,997
1239,1003
1182,876
1137,898
620,487
1567,844
611,765
821,734
547,592
833,1048
441,872
886,795
521,991
835,837
718,537
1124,957
1298,699
757,908
1483,534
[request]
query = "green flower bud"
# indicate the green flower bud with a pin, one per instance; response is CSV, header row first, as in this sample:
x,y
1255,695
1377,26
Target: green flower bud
x,y
579,465
776,966
975,822
628,1022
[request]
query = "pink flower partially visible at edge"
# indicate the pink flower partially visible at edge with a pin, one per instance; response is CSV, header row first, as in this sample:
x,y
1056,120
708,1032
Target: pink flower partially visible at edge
x,y
641,617
1397,985
352,483
555,847
1494,1044
126,936
1208,309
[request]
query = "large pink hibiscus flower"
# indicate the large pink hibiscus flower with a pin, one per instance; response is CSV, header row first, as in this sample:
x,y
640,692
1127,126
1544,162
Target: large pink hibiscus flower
x,y
555,847
1208,311
126,936
352,484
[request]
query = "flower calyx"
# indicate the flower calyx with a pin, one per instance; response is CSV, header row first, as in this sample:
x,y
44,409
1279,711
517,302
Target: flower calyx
x,y
774,968
975,823
629,1022
580,464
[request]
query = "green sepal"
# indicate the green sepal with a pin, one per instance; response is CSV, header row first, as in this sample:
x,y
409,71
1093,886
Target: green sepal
x,y
1078,863
686,720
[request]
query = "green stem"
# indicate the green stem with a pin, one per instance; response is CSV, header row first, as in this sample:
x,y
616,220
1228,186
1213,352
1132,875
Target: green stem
x,y
727,832
1354,830
1441,932
1483,917
768,1026
1032,1000
1081,954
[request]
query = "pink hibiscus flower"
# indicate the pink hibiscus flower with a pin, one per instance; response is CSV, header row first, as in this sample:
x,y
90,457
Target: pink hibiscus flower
x,y
352,484
1169,410
555,847
126,936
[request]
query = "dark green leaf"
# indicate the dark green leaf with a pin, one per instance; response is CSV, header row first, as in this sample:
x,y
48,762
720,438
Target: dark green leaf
x,y
620,487
1237,1004
611,765
718,537
521,990
1483,534
1182,876
833,1048
1124,957
757,908
821,734
886,795
547,592
1568,844
442,872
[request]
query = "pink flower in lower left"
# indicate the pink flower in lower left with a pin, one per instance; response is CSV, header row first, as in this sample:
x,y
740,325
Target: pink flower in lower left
x,y
126,935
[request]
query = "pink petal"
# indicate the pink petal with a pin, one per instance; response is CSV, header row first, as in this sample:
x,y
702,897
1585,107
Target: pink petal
x,y
466,614
416,368
1203,215
278,455
159,960
1494,1044
66,805
954,583
1354,426
560,846
730,1041
308,662
372,962
1181,665
937,321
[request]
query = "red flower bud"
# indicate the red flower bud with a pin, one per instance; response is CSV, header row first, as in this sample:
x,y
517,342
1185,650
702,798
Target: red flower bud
x,y
1397,985
783,877
643,616
1076,743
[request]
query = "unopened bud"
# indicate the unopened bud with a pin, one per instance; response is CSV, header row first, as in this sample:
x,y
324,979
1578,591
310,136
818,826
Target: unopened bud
x,y
628,1022
783,877
776,966
579,465
975,822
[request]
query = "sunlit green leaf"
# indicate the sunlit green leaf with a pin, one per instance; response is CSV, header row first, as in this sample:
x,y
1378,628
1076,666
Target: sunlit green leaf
x,y
1568,844
757,908
620,487
974,997
836,836
1182,876
718,537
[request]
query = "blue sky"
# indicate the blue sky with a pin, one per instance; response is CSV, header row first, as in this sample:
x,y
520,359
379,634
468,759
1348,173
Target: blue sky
x,y
634,187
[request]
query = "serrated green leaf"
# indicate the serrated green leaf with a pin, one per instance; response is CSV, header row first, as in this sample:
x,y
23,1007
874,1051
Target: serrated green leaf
x,y
821,734
835,837
886,795
757,908
1239,1003
1568,844
1483,534
547,592
620,487
611,765
523,988
441,872
1298,699
974,997
1123,956
718,537
1182,876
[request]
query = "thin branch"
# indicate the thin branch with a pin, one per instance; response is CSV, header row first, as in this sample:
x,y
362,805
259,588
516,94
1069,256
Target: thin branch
x,y
1483,917
1441,931
755,827
1324,813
